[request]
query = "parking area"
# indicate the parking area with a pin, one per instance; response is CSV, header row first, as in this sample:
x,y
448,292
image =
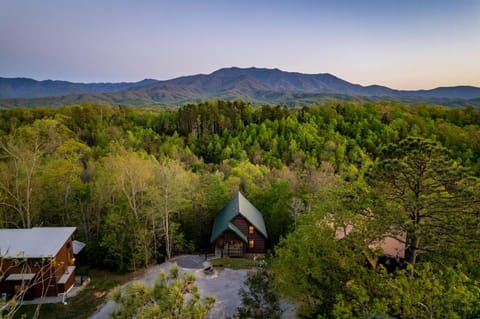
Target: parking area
x,y
189,261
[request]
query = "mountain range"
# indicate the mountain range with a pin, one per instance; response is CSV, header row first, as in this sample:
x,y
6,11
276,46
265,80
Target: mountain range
x,y
255,85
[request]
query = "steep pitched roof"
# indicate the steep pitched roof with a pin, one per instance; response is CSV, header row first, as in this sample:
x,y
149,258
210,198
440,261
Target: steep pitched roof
x,y
238,205
37,242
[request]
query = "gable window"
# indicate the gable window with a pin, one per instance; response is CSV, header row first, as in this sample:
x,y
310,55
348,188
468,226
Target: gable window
x,y
251,244
251,230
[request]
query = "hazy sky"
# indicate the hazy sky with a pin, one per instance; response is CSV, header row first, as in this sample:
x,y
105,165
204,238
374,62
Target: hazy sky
x,y
403,44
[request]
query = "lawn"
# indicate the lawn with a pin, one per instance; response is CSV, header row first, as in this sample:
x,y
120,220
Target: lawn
x,y
234,263
85,303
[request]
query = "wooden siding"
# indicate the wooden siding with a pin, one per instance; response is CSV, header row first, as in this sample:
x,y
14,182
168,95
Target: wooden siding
x,y
243,224
47,275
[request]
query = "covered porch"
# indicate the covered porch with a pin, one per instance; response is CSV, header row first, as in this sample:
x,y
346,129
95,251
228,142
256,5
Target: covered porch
x,y
231,244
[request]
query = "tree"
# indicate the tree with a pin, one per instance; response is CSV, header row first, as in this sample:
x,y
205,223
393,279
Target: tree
x,y
118,240
208,193
331,278
424,195
20,265
274,204
259,298
172,296
311,267
21,154
133,175
168,197
61,184
433,292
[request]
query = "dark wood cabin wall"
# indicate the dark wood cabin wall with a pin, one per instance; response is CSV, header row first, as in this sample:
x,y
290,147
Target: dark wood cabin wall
x,y
242,224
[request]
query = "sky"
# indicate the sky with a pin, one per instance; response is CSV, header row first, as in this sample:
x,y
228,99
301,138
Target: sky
x,y
403,44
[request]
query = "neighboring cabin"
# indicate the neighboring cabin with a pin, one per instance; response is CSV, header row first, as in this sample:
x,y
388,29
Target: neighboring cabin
x,y
392,246
39,261
239,229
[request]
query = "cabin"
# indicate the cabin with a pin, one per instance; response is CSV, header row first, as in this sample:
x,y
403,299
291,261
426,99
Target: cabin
x,y
38,261
392,246
239,229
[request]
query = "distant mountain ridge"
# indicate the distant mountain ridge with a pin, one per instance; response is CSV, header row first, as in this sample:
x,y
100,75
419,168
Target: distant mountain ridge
x,y
29,88
255,85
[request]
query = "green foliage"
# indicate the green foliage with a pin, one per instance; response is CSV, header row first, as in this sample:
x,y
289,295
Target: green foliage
x,y
275,206
423,194
143,184
77,165
311,266
172,296
431,292
259,299
331,277
7,309
116,241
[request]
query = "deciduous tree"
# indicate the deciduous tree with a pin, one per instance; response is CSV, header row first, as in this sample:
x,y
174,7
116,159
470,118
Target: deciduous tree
x,y
21,152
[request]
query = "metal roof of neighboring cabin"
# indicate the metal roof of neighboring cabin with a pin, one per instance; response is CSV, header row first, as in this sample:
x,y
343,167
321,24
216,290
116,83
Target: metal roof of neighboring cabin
x,y
238,205
37,242
78,246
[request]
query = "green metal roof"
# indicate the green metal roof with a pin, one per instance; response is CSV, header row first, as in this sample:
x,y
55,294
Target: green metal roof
x,y
238,205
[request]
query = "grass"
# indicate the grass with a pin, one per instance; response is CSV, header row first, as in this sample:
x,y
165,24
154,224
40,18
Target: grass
x,y
84,304
233,263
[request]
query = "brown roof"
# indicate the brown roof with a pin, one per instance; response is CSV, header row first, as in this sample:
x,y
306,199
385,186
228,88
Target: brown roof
x,y
393,246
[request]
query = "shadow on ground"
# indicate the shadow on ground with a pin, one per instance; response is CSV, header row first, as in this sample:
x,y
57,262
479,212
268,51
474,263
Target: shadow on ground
x,y
189,261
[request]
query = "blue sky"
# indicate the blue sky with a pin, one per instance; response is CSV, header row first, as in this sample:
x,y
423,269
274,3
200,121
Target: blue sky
x,y
402,44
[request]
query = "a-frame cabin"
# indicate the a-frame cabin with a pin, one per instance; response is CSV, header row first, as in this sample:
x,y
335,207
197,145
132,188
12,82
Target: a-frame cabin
x,y
239,229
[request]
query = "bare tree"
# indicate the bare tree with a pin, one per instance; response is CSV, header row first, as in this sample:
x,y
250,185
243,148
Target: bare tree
x,y
169,196
30,274
20,155
133,177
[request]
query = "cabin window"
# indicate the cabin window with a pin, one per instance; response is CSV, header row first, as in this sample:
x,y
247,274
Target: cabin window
x,y
251,244
251,230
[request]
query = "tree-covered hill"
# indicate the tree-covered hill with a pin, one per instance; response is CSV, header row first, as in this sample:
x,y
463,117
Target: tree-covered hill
x,y
24,88
142,184
254,85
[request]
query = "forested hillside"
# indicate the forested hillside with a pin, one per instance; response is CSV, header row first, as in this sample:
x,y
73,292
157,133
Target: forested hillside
x,y
145,184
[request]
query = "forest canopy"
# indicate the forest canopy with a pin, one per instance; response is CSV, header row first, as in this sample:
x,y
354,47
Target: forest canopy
x,y
145,184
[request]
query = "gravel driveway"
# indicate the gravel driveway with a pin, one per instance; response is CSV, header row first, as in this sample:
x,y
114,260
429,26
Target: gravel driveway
x,y
224,286
149,277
